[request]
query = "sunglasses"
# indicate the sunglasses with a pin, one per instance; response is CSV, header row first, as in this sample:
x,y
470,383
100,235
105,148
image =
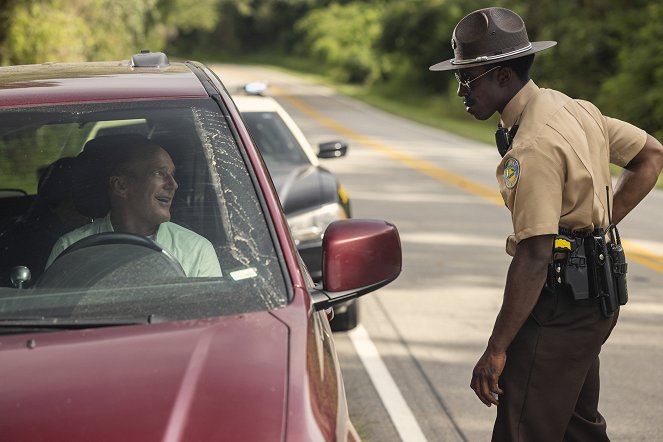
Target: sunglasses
x,y
466,83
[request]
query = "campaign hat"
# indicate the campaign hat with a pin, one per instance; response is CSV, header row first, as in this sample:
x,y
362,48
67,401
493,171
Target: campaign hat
x,y
488,36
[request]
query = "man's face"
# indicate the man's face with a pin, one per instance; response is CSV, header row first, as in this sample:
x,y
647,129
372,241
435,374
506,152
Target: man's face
x,y
150,187
479,90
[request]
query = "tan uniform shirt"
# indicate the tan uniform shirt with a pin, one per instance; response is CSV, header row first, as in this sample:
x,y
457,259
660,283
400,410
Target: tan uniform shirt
x,y
556,172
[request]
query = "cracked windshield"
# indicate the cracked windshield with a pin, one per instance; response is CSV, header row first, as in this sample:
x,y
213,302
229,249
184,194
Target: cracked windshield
x,y
169,176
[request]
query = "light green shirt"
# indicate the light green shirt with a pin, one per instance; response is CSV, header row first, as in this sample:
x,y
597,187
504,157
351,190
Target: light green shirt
x,y
194,252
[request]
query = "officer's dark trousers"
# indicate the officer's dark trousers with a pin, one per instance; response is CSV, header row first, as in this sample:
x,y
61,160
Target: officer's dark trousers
x,y
551,377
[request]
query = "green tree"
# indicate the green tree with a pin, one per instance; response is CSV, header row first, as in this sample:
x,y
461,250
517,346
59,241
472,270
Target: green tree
x,y
609,51
250,26
589,33
187,15
343,36
76,30
44,31
635,92
417,34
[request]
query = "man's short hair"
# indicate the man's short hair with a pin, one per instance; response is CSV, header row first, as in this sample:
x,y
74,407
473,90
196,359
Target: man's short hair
x,y
126,151
118,152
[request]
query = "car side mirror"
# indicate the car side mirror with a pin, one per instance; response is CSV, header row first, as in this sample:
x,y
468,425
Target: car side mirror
x,y
332,149
358,257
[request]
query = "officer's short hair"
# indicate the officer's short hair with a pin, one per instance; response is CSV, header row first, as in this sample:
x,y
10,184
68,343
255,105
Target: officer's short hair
x,y
520,66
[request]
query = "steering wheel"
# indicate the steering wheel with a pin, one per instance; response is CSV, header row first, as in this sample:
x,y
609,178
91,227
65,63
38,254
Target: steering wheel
x,y
109,238
112,238
93,261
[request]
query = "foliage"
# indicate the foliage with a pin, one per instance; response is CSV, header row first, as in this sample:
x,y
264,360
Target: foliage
x,y
343,36
43,31
609,51
417,35
185,15
589,33
636,91
75,30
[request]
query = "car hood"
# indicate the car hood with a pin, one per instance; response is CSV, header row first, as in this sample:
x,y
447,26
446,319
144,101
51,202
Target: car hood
x,y
303,187
217,379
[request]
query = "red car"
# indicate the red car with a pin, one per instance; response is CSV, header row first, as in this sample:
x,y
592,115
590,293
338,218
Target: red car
x,y
114,334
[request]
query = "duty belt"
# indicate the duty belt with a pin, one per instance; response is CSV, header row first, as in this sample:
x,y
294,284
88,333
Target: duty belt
x,y
590,267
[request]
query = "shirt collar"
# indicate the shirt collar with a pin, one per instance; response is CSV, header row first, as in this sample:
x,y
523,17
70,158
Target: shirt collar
x,y
154,237
107,223
516,105
109,226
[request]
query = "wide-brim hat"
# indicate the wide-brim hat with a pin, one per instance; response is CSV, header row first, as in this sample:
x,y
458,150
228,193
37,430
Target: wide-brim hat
x,y
489,36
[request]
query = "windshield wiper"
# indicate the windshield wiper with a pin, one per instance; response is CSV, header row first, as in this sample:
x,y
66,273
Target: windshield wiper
x,y
42,322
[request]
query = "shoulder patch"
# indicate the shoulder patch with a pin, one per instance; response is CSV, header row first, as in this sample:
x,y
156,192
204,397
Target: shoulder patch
x,y
511,173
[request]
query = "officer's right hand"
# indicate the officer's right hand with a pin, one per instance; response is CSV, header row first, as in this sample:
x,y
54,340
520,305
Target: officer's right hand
x,y
486,375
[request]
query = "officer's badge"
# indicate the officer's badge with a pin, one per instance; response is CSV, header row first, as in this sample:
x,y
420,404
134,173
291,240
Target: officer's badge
x,y
511,173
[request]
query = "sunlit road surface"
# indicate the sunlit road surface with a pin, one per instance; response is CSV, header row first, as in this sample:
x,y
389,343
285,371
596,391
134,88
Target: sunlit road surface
x,y
430,326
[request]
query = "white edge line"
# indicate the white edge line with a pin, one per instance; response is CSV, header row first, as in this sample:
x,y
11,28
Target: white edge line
x,y
393,400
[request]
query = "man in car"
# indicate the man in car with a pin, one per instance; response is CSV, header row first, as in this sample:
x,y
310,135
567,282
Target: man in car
x,y
541,364
141,186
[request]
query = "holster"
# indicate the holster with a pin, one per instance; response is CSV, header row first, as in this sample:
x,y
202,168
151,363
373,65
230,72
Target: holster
x,y
590,268
619,268
601,277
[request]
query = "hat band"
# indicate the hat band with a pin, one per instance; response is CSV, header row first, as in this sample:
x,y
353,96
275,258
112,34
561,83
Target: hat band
x,y
493,57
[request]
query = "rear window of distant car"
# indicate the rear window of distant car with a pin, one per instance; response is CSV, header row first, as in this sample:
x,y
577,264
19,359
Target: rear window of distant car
x,y
216,199
276,142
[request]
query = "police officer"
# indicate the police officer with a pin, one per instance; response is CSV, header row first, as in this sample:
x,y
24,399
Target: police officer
x,y
541,364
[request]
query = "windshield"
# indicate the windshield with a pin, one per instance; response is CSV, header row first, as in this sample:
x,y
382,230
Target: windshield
x,y
134,209
278,146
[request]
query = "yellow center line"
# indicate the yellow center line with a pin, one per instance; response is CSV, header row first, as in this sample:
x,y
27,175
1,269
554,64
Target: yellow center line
x,y
422,166
642,256
633,251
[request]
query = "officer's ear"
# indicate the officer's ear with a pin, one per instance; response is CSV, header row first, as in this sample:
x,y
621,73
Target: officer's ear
x,y
505,75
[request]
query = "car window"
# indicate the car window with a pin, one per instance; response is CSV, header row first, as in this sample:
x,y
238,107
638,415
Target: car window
x,y
276,143
51,161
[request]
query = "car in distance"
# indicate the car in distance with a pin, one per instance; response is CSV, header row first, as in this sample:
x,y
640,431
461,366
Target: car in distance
x,y
311,196
113,341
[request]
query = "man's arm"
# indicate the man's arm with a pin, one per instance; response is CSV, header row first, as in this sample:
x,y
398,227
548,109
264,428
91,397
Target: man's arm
x,y
209,263
637,179
525,278
206,263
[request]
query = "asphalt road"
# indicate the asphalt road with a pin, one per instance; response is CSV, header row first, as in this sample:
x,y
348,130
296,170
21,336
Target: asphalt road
x,y
431,325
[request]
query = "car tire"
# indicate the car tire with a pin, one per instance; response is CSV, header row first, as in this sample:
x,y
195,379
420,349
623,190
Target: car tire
x,y
348,319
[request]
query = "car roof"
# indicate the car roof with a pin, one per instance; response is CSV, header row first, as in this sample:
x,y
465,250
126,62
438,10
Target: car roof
x,y
262,103
51,83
